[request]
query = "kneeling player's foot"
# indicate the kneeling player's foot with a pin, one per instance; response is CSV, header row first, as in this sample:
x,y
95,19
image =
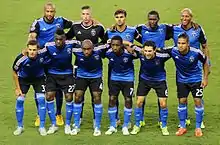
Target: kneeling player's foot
x,y
188,122
18,131
135,130
52,129
75,131
42,131
142,123
59,120
67,129
97,132
111,130
202,125
37,121
118,123
181,131
165,131
125,131
198,132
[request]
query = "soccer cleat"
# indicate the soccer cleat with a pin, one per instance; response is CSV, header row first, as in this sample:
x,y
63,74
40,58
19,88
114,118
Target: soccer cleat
x,y
142,123
165,131
125,131
75,131
59,120
135,130
198,132
202,125
159,124
80,122
97,132
37,121
42,131
111,130
67,129
18,131
52,129
181,131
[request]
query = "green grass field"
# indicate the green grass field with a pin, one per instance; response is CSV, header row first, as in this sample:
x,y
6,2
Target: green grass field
x,y
16,18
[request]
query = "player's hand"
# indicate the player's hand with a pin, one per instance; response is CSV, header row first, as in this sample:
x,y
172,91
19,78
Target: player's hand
x,y
18,92
204,82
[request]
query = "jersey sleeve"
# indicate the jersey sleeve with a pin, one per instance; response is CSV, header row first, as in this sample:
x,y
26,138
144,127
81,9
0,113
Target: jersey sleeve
x,y
102,34
169,32
163,56
67,23
102,49
35,27
105,37
138,38
201,56
202,37
70,34
167,50
17,63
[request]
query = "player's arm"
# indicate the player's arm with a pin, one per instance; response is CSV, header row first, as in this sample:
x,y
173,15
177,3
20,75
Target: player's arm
x,y
102,34
169,32
206,70
67,23
70,34
34,31
203,42
138,37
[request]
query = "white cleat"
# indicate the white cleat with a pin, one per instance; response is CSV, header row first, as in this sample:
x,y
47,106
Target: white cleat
x,y
52,129
75,131
111,130
125,131
42,131
18,131
97,132
67,129
80,122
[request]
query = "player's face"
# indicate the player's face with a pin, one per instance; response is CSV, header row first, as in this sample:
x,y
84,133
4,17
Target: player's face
x,y
149,52
116,45
49,12
186,18
87,50
60,41
86,15
120,19
32,51
183,45
153,21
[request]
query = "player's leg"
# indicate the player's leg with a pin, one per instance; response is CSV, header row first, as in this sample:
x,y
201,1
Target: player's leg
x,y
96,87
59,103
182,94
127,91
37,120
114,90
197,92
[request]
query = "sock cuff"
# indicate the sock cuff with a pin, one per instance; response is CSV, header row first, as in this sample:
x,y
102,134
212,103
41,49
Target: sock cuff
x,y
98,105
112,109
77,105
20,98
40,95
49,102
69,103
201,108
127,109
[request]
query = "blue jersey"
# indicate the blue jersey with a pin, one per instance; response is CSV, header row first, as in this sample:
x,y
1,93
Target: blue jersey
x,y
129,34
60,59
90,67
45,31
159,35
29,68
187,68
196,36
153,69
122,67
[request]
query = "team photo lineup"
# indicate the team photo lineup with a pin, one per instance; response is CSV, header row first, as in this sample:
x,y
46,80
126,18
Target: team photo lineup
x,y
47,64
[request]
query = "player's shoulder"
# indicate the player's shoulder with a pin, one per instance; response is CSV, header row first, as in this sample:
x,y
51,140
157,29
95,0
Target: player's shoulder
x,y
70,42
48,44
20,58
78,22
196,50
139,25
101,47
131,28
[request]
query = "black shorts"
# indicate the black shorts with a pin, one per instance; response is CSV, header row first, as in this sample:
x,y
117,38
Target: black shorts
x,y
60,82
183,90
144,86
37,83
94,84
127,88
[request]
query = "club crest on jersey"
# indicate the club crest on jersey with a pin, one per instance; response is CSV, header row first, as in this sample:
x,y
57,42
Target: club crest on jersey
x,y
96,57
191,58
157,62
41,60
193,34
125,59
58,25
128,36
69,51
93,32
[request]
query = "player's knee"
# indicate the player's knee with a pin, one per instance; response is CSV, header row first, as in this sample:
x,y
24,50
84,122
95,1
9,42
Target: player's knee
x,y
77,99
97,97
112,101
198,102
163,103
140,102
128,102
50,96
68,97
183,100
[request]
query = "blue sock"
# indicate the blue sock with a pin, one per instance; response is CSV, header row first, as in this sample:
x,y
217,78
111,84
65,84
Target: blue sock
x,y
20,110
51,112
98,109
69,112
163,116
77,110
127,116
137,113
199,116
182,109
112,113
41,108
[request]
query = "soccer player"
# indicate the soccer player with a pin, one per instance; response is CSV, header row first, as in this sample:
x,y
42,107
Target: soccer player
x,y
60,76
89,74
43,30
121,79
127,33
29,70
158,33
196,37
87,29
186,59
152,75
